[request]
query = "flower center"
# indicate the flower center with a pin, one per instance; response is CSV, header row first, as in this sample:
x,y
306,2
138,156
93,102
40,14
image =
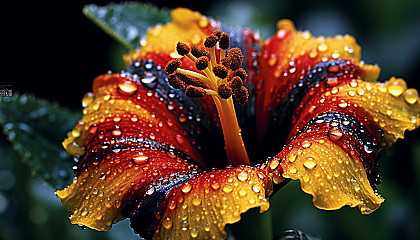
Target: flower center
x,y
223,78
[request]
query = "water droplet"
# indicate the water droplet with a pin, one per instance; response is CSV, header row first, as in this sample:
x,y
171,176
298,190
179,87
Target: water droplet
x,y
116,132
242,192
93,128
167,222
309,163
194,233
361,91
332,81
196,201
411,96
335,55
150,190
127,88
333,68
141,159
292,170
215,185
96,106
351,93
368,147
306,144
172,205
342,103
227,189
242,176
335,134
256,188
274,164
84,212
204,22
322,47
313,53
76,133
179,139
186,188
149,80
396,86
292,157
87,99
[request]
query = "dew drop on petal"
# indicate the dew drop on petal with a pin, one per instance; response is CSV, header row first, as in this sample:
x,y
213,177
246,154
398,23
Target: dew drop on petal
x,y
292,157
396,86
87,99
127,88
322,47
227,189
141,159
186,188
309,163
196,201
179,139
242,176
167,222
411,96
335,134
75,133
306,144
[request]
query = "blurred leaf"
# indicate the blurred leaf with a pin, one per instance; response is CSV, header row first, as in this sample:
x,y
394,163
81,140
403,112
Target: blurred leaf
x,y
126,22
36,128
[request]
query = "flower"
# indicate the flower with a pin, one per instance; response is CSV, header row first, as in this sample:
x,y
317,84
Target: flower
x,y
161,143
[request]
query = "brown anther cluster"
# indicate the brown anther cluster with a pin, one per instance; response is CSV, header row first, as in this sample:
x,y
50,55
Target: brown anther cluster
x,y
223,75
182,48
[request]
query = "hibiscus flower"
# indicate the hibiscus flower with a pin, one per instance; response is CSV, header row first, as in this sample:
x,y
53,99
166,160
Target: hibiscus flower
x,y
209,121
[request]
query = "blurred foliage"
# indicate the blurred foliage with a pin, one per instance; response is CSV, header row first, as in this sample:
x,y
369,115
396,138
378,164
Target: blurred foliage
x,y
387,30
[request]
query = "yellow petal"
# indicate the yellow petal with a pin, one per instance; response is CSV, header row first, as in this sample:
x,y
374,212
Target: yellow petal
x,y
392,106
330,175
186,26
203,206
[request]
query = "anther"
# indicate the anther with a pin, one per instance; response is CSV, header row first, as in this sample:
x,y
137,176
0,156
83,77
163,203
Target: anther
x,y
195,92
241,95
218,33
190,80
199,52
235,54
240,72
235,83
220,71
202,63
224,41
175,82
224,91
182,48
211,41
226,62
172,65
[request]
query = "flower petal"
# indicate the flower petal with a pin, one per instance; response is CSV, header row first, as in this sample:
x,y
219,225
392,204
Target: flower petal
x,y
203,205
287,56
340,124
160,42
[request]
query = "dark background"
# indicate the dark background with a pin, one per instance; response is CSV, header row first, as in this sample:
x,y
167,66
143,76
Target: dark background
x,y
51,50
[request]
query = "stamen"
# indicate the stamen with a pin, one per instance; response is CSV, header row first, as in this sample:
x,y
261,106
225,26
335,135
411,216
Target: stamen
x,y
224,91
223,77
195,92
190,80
235,83
199,52
240,72
235,54
224,41
211,41
173,65
241,95
220,71
175,82
182,48
202,63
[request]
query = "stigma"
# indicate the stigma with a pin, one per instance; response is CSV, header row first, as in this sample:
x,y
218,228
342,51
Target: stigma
x,y
219,75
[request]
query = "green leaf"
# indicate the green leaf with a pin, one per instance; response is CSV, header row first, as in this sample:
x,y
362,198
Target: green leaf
x,y
126,22
36,128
